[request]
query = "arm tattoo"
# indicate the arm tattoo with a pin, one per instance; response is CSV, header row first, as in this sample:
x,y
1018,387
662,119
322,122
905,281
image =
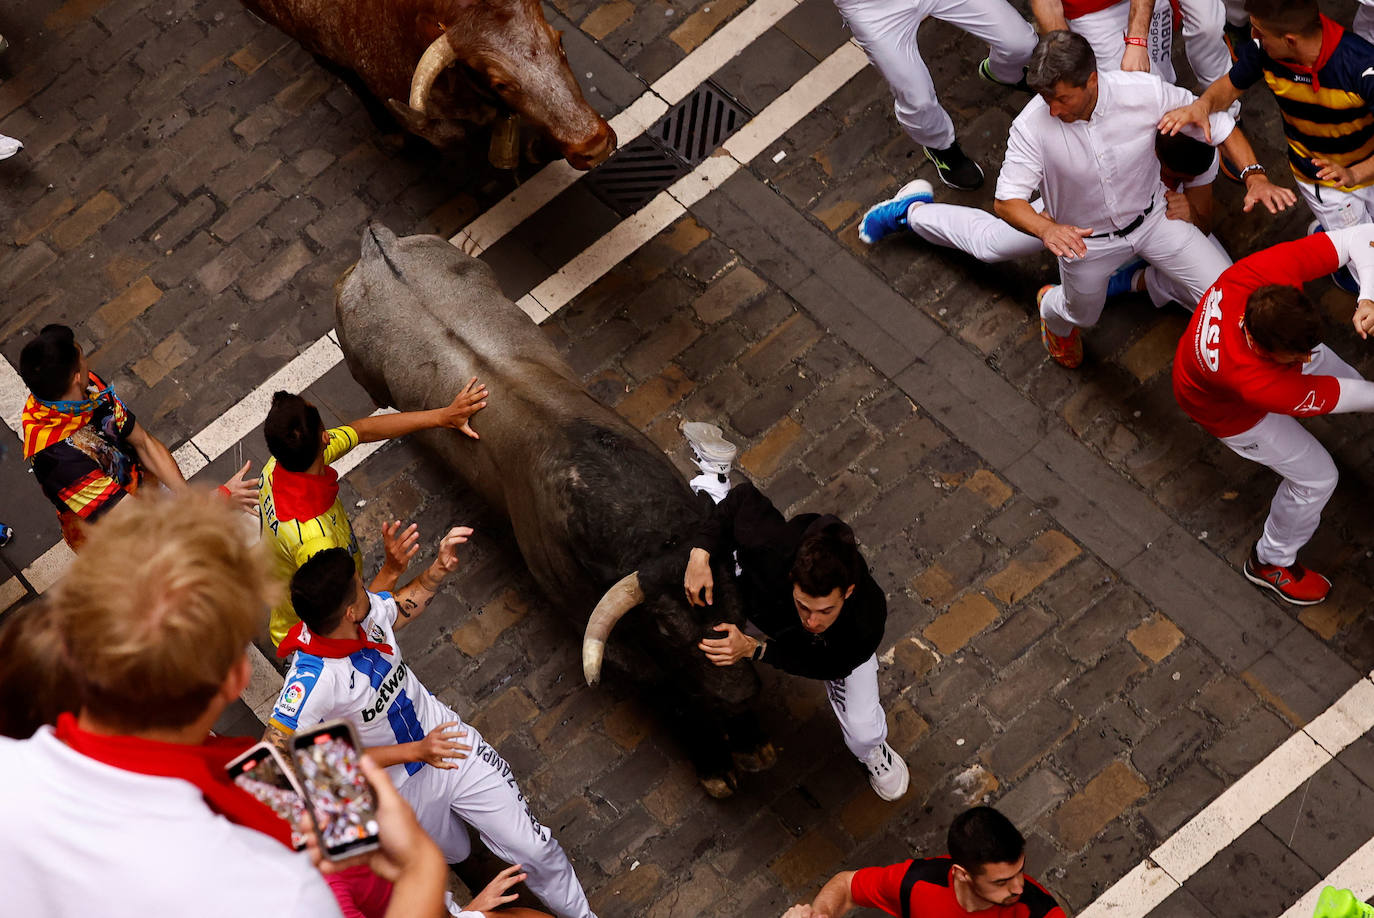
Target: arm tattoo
x,y
407,605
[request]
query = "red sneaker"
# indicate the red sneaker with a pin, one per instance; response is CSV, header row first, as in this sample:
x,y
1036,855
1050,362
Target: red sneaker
x,y
1067,351
1294,583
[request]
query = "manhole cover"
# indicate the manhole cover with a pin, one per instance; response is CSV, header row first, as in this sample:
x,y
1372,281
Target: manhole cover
x,y
691,131
700,123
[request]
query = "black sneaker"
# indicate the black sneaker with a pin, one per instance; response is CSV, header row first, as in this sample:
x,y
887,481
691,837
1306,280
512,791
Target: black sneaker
x,y
955,168
985,71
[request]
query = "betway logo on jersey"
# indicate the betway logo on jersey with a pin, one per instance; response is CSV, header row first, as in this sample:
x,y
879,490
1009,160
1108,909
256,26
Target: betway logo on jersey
x,y
1208,340
389,687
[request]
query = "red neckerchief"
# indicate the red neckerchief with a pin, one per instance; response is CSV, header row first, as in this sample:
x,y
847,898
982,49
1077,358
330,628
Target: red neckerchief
x,y
303,495
300,638
201,765
1332,32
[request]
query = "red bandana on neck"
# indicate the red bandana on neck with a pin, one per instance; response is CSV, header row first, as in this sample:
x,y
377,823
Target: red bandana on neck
x,y
1332,33
201,765
303,495
300,638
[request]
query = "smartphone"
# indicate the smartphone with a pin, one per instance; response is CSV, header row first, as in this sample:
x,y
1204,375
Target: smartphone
x,y
340,797
263,773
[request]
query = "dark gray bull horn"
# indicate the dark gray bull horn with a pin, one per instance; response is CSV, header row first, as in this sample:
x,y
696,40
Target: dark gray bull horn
x,y
619,599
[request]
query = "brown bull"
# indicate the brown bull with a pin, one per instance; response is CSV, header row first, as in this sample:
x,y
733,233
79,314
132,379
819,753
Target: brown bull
x,y
440,65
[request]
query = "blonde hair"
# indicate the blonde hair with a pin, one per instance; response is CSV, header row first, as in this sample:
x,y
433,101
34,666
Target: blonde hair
x,y
158,607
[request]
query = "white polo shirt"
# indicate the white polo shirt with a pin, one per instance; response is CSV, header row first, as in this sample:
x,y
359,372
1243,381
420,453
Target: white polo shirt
x,y
1101,173
372,689
81,837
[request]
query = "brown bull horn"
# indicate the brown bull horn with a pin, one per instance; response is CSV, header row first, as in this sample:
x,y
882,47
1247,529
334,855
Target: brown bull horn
x,y
438,57
619,599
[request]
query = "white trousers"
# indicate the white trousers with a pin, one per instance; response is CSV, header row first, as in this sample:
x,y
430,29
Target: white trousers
x,y
991,239
482,793
1163,288
1364,20
1337,209
1105,31
1204,41
1175,247
886,30
1309,475
857,707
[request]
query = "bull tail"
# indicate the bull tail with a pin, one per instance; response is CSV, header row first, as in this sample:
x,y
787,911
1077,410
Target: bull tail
x,y
619,599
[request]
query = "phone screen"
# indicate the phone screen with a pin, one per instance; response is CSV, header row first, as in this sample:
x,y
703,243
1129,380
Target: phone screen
x,y
262,773
344,805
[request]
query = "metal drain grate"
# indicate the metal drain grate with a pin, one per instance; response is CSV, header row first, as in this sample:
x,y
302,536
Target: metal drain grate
x,y
700,123
689,133
630,178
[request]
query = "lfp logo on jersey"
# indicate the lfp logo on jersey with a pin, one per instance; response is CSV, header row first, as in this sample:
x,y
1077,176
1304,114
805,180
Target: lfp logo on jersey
x,y
291,698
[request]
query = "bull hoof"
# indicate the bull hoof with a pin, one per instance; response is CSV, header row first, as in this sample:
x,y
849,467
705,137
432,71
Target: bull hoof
x,y
760,759
719,786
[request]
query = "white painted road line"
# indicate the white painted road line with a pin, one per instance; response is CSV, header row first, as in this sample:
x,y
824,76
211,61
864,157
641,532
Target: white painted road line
x,y
670,89
13,392
1355,873
761,131
1242,805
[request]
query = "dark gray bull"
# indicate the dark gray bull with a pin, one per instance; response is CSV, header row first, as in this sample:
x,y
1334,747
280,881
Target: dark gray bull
x,y
601,516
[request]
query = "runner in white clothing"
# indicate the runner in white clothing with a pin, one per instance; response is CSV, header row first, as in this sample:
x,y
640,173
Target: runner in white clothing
x,y
886,30
347,664
1187,168
1087,145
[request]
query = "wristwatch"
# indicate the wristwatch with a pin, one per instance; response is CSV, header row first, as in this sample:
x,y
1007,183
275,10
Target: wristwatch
x,y
758,651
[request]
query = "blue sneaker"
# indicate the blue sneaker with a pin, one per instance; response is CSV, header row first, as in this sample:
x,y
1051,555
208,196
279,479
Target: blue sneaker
x,y
1342,277
890,215
1123,278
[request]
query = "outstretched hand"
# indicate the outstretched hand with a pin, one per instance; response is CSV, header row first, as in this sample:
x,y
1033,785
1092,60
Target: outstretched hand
x,y
448,548
471,400
495,894
1196,113
399,546
241,491
1259,190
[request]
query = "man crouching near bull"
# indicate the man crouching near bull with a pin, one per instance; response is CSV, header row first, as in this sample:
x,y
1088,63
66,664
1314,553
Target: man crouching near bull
x,y
807,592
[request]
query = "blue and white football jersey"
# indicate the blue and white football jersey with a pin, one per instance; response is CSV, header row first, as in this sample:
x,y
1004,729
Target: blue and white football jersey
x,y
372,689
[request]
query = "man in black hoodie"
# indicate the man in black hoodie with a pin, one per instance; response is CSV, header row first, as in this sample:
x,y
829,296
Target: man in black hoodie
x,y
818,612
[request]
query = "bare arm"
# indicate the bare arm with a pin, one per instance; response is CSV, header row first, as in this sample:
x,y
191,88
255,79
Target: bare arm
x,y
154,456
1258,188
1049,15
1201,206
414,597
456,415
1218,97
399,547
1064,241
1137,57
834,899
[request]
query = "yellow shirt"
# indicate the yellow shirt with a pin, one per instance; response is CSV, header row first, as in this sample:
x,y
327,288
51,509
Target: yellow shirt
x,y
294,540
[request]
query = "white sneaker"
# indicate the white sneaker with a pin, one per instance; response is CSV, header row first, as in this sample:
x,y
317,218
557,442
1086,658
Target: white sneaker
x,y
9,146
715,454
887,773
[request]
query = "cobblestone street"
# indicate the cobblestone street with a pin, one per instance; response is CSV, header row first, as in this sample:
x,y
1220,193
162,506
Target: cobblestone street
x,y
1069,636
